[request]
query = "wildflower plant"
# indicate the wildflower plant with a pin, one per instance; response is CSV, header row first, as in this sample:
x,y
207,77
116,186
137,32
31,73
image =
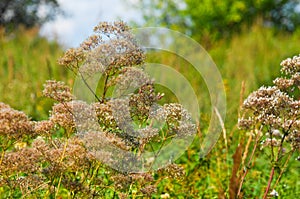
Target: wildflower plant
x,y
272,115
95,140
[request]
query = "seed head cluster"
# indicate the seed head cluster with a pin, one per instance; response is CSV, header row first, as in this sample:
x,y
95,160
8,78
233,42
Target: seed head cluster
x,y
72,149
276,109
14,124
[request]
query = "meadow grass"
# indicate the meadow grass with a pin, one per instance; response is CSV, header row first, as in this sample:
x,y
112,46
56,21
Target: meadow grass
x,y
27,60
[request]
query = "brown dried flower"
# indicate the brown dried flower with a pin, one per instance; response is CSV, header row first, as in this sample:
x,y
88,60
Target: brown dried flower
x,y
14,124
58,91
276,107
173,170
149,190
111,48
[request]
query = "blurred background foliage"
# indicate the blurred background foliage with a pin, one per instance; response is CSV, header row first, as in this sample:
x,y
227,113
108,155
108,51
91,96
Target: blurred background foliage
x,y
246,39
211,20
27,13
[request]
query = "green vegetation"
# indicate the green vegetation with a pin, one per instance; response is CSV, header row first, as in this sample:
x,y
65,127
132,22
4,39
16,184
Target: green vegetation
x,y
246,62
29,13
211,20
27,60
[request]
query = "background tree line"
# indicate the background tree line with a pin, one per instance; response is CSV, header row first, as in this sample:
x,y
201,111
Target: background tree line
x,y
214,19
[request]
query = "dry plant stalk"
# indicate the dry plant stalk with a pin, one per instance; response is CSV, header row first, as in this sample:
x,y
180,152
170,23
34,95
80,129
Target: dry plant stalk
x,y
43,158
274,112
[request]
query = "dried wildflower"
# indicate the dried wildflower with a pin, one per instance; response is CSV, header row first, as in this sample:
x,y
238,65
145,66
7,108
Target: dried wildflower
x,y
141,178
245,123
62,115
3,105
145,136
296,79
270,142
283,83
91,42
276,108
40,144
175,112
104,115
111,48
63,156
58,91
72,58
121,181
121,113
173,170
130,78
294,139
25,160
177,118
44,127
14,124
28,183
185,129
274,111
75,114
110,28
268,105
149,190
276,133
291,65
141,102
104,145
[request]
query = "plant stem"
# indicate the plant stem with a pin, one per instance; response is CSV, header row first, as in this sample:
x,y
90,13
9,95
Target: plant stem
x,y
248,166
61,160
88,86
2,156
105,88
269,182
273,167
283,169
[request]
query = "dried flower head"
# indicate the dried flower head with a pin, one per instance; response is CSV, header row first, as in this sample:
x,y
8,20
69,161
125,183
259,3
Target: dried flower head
x,y
141,102
104,115
44,127
276,107
58,91
14,124
25,160
110,49
149,190
72,58
75,115
291,66
173,170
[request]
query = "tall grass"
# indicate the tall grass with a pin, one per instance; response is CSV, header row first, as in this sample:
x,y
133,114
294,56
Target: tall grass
x,y
27,60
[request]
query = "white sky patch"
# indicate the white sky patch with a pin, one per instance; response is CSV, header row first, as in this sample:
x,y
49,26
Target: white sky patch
x,y
82,16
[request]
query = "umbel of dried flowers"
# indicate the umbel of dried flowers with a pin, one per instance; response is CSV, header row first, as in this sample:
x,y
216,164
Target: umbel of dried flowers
x,y
276,109
114,54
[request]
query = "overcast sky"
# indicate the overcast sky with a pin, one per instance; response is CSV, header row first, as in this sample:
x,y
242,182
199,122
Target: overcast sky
x,y
83,15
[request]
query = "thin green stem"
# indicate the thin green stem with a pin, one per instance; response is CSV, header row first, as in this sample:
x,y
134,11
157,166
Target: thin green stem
x,y
248,166
105,88
88,86
283,168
